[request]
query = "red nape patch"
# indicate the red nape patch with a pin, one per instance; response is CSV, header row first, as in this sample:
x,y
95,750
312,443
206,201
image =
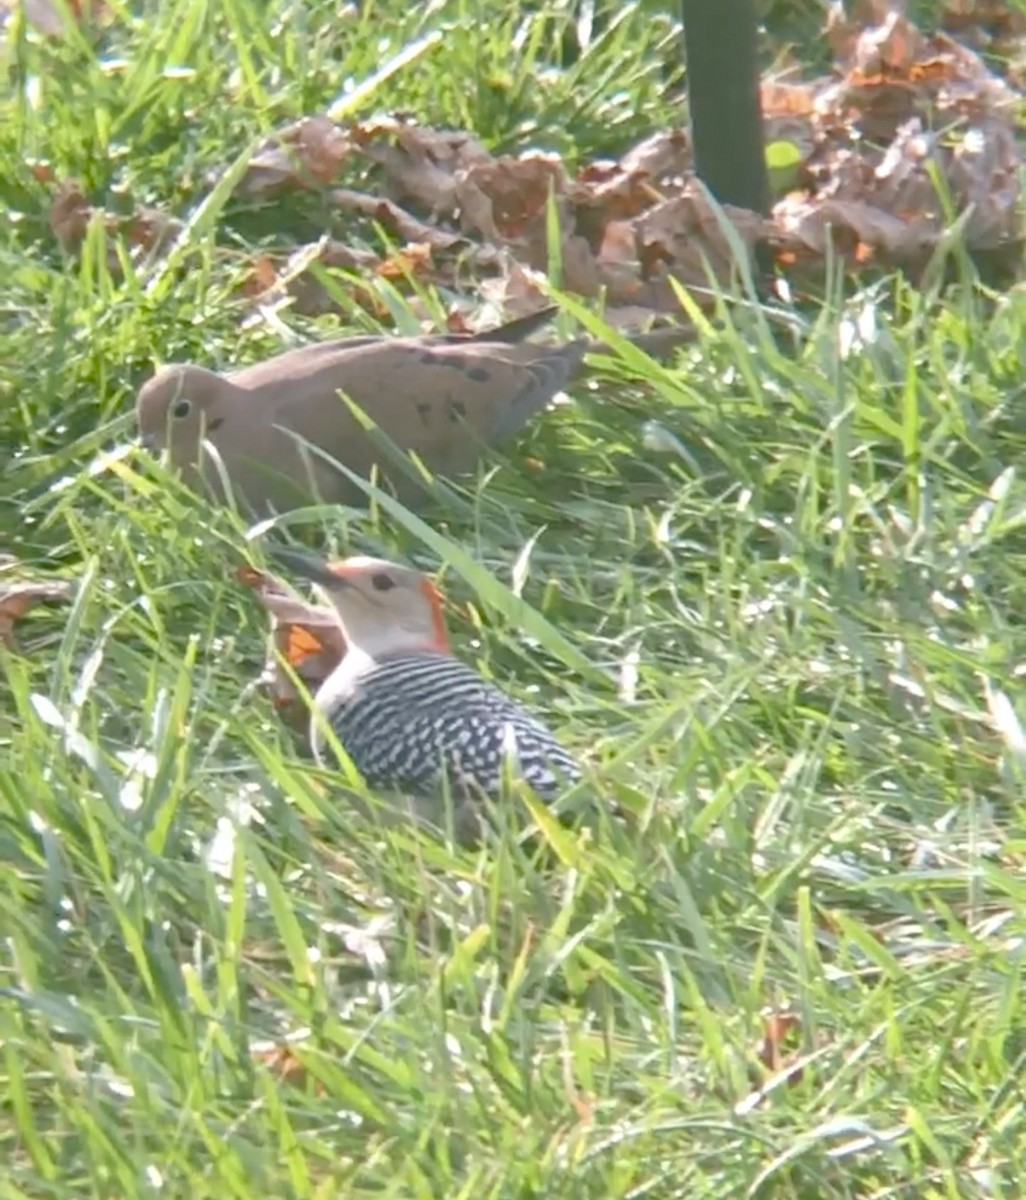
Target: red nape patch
x,y
441,634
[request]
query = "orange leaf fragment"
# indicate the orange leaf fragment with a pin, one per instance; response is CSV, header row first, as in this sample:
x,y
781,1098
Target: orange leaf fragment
x,y
307,637
16,599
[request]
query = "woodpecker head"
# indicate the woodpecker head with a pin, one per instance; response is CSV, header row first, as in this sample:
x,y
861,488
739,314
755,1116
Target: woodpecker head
x,y
383,608
179,407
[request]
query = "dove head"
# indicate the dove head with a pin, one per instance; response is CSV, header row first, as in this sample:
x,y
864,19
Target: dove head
x,y
179,407
383,608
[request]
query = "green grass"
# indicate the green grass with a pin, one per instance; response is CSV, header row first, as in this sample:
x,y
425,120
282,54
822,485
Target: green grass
x,y
818,782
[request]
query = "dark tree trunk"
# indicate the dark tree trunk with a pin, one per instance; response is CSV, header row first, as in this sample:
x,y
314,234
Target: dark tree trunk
x,y
720,42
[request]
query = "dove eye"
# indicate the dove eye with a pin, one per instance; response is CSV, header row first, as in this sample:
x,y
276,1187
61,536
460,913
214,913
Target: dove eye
x,y
181,409
383,583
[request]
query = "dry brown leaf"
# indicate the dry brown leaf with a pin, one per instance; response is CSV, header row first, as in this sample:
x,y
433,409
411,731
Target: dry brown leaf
x,y
610,197
627,318
311,298
505,199
853,228
960,82
664,157
683,236
618,243
483,313
899,184
583,1107
585,274
413,259
395,219
781,1043
270,282
887,48
605,192
153,230
840,33
307,636
282,1059
261,278
457,321
41,170
874,12
780,99
70,214
984,171
515,291
337,254
16,599
420,164
307,153
988,20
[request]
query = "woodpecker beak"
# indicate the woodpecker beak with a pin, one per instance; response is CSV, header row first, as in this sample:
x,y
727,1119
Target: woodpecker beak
x,y
307,566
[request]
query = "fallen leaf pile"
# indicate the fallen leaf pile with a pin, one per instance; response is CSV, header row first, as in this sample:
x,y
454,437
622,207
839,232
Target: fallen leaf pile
x,y
914,130
994,24
149,231
873,164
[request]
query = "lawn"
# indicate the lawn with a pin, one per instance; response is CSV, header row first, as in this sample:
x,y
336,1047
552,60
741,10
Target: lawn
x,y
776,948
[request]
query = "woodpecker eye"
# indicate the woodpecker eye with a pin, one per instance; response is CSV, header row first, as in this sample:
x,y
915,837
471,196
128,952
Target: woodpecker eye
x,y
383,583
181,409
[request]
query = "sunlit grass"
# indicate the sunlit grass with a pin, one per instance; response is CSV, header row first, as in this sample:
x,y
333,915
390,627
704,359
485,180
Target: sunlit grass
x,y
786,645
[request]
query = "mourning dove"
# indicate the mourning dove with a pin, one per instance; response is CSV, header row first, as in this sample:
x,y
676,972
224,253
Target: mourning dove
x,y
445,397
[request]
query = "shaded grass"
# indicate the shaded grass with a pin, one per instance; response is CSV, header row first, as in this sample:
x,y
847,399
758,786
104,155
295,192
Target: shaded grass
x,y
817,783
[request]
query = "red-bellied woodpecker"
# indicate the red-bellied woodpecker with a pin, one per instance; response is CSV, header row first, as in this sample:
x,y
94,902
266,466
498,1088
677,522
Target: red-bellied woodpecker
x,y
408,713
